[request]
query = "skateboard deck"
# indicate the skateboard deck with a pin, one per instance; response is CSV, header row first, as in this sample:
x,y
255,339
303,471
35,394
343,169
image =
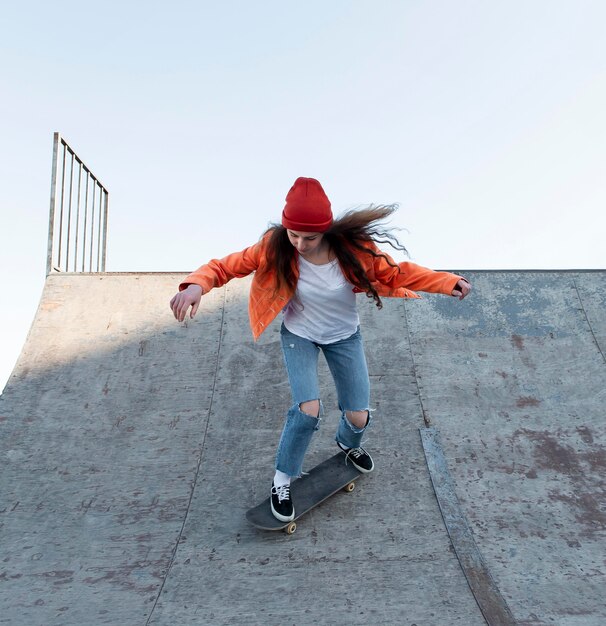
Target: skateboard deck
x,y
307,492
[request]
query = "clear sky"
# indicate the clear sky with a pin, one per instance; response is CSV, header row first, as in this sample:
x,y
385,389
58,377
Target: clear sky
x,y
484,120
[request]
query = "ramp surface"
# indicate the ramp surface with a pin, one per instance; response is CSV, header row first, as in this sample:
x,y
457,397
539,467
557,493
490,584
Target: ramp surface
x,y
132,446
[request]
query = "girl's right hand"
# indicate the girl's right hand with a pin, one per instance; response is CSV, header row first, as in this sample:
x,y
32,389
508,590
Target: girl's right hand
x,y
182,300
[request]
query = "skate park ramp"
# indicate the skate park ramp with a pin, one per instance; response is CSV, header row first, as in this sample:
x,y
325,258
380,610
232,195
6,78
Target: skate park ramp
x,y
133,445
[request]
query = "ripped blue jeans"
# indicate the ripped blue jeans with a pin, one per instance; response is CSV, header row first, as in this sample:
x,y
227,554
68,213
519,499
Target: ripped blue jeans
x,y
347,364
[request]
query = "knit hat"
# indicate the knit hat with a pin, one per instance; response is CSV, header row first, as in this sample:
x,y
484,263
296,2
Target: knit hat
x,y
307,207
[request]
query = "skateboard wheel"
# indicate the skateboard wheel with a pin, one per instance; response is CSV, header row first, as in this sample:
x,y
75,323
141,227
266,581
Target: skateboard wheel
x,y
290,529
349,487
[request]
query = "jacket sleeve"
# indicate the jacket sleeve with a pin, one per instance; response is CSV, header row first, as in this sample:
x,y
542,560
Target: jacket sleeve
x,y
412,276
217,272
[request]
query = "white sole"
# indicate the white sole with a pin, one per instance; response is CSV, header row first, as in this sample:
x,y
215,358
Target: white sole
x,y
281,518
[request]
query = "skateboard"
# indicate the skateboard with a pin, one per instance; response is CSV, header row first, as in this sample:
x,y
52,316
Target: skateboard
x,y
307,492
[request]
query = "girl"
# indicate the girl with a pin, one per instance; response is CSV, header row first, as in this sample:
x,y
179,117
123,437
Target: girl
x,y
310,268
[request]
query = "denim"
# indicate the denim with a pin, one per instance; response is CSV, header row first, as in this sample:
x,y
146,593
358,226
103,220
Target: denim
x,y
347,364
296,436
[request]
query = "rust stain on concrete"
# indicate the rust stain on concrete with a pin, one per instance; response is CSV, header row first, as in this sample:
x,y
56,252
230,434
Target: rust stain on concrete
x,y
525,401
589,510
580,466
518,341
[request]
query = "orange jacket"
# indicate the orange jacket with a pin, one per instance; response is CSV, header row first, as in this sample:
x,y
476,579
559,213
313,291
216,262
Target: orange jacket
x,y
265,301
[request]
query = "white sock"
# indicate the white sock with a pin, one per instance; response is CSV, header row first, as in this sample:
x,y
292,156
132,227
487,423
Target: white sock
x,y
281,479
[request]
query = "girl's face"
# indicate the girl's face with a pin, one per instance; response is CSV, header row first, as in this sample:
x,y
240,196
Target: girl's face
x,y
305,243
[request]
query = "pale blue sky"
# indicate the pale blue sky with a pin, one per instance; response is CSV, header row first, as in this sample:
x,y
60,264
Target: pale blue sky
x,y
484,120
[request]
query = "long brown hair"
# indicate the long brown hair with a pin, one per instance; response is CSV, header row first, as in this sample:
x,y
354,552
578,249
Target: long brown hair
x,y
353,231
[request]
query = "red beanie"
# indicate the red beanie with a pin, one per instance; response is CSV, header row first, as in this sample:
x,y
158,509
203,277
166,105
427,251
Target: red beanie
x,y
307,207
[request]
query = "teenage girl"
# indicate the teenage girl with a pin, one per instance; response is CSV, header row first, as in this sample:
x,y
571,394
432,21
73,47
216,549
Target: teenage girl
x,y
310,268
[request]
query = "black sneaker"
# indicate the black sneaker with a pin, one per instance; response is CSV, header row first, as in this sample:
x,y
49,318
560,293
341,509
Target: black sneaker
x,y
281,504
359,458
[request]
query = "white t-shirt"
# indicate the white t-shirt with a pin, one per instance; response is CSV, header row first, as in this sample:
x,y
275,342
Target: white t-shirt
x,y
323,309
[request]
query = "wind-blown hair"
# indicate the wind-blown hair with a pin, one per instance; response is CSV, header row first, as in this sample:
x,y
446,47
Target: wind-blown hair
x,y
354,230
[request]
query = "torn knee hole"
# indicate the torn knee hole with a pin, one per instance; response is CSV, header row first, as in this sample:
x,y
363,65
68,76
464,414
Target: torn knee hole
x,y
359,419
310,407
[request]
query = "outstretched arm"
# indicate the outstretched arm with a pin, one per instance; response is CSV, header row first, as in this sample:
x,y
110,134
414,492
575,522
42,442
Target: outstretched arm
x,y
213,274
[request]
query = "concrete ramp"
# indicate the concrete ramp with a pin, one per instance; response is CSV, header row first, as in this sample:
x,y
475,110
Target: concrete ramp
x,y
132,446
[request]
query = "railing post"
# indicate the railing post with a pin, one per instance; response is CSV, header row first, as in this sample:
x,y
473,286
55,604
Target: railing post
x,y
105,213
53,203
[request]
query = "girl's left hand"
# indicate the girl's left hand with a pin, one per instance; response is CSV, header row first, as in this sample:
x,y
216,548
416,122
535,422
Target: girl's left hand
x,y
462,288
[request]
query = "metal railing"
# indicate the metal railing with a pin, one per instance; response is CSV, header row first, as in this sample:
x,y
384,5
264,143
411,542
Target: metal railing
x,y
77,231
